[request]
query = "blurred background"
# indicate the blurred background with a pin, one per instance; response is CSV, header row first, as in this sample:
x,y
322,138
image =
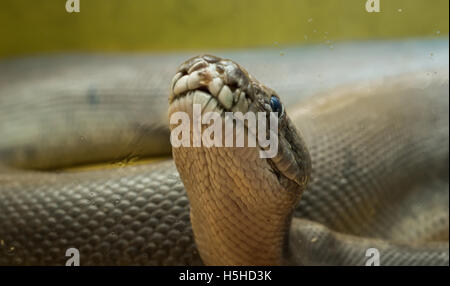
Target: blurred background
x,y
30,27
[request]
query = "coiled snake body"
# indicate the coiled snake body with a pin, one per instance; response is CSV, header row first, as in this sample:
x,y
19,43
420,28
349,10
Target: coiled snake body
x,y
378,153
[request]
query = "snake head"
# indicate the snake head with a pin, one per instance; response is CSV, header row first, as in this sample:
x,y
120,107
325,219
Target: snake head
x,y
221,85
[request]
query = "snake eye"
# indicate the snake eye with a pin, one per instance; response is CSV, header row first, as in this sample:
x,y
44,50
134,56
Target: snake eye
x,y
276,105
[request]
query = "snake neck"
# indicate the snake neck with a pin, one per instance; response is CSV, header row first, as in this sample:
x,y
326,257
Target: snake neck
x,y
239,214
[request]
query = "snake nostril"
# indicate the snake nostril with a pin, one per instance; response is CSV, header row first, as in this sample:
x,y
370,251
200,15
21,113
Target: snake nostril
x,y
198,65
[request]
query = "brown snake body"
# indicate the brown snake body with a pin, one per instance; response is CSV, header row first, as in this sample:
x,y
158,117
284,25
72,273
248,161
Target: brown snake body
x,y
379,173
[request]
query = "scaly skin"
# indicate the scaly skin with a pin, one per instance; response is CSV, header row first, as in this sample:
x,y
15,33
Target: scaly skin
x,y
379,155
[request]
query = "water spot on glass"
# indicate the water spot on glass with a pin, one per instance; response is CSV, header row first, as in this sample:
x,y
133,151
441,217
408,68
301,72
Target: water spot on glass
x,y
400,10
314,239
11,250
282,54
438,32
315,31
116,202
306,37
92,194
310,20
92,97
130,158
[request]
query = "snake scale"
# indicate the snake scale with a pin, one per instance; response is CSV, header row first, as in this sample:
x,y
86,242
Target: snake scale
x,y
375,129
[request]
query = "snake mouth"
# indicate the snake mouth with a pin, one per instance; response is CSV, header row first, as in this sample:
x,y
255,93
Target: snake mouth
x,y
216,84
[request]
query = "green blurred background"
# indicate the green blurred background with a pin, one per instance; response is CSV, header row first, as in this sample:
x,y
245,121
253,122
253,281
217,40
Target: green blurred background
x,y
33,26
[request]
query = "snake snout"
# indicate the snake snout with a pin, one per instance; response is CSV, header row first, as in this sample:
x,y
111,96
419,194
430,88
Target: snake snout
x,y
207,77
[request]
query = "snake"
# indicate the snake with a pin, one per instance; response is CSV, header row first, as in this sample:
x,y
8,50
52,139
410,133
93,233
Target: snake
x,y
359,166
